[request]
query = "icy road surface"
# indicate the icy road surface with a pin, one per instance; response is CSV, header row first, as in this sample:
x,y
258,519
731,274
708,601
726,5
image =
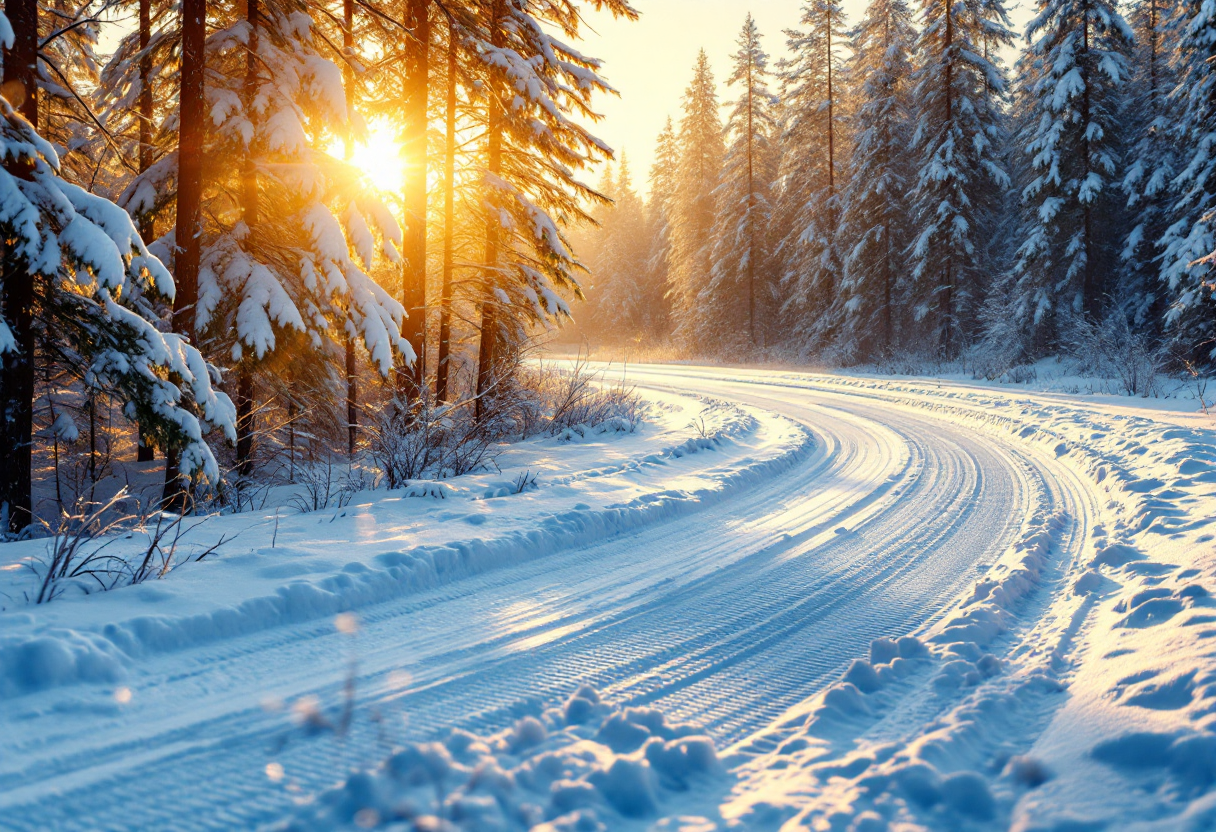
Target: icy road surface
x,y
729,614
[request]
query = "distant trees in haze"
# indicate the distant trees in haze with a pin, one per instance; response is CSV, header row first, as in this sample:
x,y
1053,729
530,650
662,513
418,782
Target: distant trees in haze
x,y
920,198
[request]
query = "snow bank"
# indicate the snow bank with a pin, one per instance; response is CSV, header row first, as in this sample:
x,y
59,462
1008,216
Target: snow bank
x,y
582,766
278,576
1064,690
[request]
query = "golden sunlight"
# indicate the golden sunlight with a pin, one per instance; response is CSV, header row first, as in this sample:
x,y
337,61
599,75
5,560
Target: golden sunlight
x,y
378,157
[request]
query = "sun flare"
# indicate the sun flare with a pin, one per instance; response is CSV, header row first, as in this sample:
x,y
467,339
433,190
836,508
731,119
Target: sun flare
x,y
378,156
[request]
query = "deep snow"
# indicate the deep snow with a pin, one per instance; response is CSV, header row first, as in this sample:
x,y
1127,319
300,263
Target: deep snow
x,y
891,603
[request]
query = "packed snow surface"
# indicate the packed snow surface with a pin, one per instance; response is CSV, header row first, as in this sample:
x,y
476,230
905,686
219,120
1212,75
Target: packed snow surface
x,y
787,601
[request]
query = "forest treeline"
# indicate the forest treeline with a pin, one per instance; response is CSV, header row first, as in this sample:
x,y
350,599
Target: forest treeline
x,y
191,258
892,190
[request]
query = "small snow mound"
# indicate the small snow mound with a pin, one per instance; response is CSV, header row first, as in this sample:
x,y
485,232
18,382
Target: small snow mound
x,y
432,490
861,673
1027,772
547,772
1115,555
56,657
994,601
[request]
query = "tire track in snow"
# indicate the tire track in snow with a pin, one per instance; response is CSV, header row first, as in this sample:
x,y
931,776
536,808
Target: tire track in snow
x,y
647,615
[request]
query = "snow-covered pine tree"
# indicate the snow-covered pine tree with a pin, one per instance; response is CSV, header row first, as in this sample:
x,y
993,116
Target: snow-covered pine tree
x,y
275,240
960,178
1190,240
538,95
135,93
1072,77
1147,117
618,307
693,206
740,251
660,210
875,229
77,285
808,206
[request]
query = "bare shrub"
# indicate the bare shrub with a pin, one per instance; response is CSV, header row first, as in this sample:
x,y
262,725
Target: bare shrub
x,y
1197,382
1111,350
85,550
555,399
318,485
426,440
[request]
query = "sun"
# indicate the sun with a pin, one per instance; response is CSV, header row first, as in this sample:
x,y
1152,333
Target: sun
x,y
378,156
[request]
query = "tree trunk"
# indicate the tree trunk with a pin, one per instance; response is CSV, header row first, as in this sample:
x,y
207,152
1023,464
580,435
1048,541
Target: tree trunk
x,y
245,404
145,452
487,349
245,422
348,73
17,294
449,232
191,132
1090,296
946,289
751,208
413,271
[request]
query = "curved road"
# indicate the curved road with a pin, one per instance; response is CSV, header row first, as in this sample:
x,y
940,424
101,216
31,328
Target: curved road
x,y
726,617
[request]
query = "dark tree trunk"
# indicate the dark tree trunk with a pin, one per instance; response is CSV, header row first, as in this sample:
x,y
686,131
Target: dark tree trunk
x,y
192,128
146,224
348,74
17,294
946,288
449,231
145,452
246,423
488,348
413,271
1090,293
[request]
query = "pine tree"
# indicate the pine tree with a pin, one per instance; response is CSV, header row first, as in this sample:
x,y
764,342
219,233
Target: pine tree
x,y
694,208
1072,77
537,94
1148,117
660,214
958,142
808,211
740,248
621,301
875,225
274,234
79,287
1190,240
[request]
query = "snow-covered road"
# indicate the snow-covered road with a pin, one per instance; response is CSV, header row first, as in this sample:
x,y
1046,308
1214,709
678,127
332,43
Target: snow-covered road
x,y
729,615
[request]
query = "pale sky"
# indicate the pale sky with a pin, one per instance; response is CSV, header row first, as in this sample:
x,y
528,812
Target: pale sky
x,y
650,61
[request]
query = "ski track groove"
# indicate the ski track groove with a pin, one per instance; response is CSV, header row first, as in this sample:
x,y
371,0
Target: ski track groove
x,y
644,616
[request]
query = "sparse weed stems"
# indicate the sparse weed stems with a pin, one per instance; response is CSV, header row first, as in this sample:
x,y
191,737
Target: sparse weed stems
x,y
79,556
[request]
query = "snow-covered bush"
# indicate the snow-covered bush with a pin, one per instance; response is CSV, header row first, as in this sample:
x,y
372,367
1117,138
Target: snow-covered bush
x,y
431,440
1112,350
551,399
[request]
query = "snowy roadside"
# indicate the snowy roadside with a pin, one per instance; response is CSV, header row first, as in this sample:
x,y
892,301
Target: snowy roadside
x,y
1055,694
1072,687
282,566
